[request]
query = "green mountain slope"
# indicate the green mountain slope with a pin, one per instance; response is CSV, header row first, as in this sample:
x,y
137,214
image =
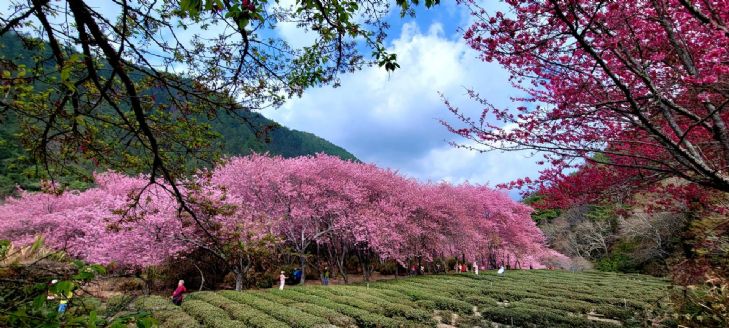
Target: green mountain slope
x,y
239,138
252,132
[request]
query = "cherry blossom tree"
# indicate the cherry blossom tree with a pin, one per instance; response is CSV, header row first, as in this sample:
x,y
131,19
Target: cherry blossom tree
x,y
90,224
639,85
249,206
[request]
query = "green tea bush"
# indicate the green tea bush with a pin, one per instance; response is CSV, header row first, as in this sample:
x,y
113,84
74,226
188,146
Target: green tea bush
x,y
356,302
292,316
334,317
387,308
363,318
536,299
180,321
531,317
274,296
242,312
166,313
210,315
481,301
441,302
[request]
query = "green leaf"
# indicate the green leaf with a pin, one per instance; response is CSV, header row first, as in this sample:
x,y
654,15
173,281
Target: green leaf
x,y
92,320
38,301
37,244
66,72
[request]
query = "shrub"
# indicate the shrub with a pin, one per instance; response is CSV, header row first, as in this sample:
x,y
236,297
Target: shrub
x,y
528,317
388,268
333,316
180,321
129,285
356,302
274,296
579,264
390,309
168,314
241,312
441,302
481,301
386,298
290,315
702,306
363,318
210,315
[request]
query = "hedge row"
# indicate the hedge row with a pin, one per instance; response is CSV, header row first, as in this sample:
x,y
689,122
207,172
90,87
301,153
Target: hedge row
x,y
505,291
536,299
390,309
166,313
362,318
211,316
527,317
242,312
439,302
292,316
334,317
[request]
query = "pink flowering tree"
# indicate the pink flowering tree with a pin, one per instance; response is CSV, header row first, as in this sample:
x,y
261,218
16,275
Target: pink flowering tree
x,y
249,207
90,225
643,84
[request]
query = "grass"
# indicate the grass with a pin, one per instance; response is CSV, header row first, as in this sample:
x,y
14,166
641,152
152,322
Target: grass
x,y
535,298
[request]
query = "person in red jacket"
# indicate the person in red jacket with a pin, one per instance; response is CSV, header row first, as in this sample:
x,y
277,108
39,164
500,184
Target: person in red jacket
x,y
177,294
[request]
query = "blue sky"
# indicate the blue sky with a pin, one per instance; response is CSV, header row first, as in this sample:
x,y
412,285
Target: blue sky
x,y
392,119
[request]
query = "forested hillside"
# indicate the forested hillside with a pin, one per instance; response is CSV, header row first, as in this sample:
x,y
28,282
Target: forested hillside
x,y
237,135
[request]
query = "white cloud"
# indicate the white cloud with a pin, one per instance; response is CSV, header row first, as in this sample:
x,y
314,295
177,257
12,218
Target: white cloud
x,y
391,119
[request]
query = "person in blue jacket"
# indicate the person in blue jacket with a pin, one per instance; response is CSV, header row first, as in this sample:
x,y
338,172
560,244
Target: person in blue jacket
x,y
297,276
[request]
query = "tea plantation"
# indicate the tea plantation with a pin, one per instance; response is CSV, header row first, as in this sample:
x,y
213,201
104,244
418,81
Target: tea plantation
x,y
535,298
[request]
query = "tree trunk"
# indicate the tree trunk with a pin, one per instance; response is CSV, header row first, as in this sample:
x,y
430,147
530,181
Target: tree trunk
x,y
364,259
202,277
302,267
343,269
339,256
364,273
318,262
145,285
238,280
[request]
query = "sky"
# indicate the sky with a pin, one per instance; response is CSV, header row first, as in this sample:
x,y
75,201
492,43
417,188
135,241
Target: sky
x,y
392,119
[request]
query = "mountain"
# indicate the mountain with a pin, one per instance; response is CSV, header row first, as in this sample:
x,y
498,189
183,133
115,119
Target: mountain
x,y
241,139
238,137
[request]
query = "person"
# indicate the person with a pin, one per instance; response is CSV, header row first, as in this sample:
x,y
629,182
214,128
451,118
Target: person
x,y
177,294
325,276
475,268
501,270
63,298
282,278
464,267
297,276
63,303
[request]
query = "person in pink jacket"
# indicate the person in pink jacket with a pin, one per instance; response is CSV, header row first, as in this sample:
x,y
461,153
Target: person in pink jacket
x,y
177,294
